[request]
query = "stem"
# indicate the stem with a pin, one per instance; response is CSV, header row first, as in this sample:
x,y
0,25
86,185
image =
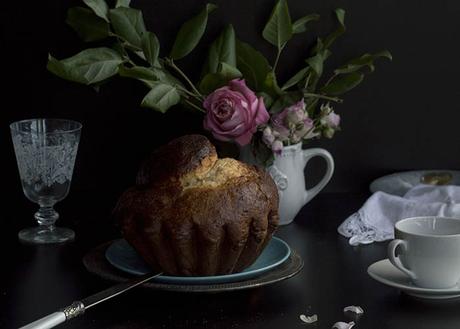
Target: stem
x,y
170,62
333,99
194,106
330,79
307,80
277,58
46,216
124,41
189,93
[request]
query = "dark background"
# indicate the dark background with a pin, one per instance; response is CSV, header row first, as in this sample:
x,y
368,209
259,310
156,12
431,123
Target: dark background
x,y
403,116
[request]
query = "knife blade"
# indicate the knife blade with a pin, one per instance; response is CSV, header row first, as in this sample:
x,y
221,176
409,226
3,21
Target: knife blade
x,y
79,307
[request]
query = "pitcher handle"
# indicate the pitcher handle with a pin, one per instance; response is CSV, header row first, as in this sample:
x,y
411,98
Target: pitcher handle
x,y
307,155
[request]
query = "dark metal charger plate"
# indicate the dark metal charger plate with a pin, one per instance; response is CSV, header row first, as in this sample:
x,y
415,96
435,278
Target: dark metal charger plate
x,y
96,263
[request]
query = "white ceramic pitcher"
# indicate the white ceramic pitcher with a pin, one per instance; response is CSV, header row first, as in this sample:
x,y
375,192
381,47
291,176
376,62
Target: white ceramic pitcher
x,y
288,172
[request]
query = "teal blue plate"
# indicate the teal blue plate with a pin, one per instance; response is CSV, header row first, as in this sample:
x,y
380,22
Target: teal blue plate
x,y
122,256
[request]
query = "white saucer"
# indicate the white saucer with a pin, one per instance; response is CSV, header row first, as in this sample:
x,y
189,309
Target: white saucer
x,y
401,182
384,272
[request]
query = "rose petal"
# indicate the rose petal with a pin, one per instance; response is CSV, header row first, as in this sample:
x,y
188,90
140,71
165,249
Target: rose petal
x,y
343,325
214,97
239,85
262,115
308,319
354,309
238,130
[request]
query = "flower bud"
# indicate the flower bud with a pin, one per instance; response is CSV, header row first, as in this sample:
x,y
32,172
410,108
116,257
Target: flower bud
x,y
281,133
268,136
295,138
328,132
304,127
331,120
277,147
296,113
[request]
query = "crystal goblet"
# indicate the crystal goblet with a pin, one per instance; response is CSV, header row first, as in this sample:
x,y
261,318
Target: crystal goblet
x,y
45,152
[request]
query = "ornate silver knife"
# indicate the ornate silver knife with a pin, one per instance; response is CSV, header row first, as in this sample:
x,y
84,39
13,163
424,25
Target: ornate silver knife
x,y
79,307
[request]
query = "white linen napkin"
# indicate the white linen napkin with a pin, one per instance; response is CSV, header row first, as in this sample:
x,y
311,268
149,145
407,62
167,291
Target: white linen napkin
x,y
376,218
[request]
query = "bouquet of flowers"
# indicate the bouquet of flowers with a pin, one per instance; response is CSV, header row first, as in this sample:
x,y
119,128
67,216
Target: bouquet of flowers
x,y
238,91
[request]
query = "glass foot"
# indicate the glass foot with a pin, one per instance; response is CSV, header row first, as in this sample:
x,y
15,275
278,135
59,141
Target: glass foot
x,y
45,235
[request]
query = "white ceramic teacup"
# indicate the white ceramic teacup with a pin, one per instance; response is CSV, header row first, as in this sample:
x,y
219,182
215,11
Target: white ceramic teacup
x,y
427,249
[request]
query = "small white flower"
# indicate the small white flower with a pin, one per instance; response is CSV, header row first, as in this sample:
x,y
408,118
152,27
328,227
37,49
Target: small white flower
x,y
343,325
309,319
277,147
325,108
268,136
354,309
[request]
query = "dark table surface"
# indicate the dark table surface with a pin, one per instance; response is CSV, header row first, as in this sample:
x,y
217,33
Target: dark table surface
x,y
37,280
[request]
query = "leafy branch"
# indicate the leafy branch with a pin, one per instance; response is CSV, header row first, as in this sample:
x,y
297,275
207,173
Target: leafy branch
x,y
135,53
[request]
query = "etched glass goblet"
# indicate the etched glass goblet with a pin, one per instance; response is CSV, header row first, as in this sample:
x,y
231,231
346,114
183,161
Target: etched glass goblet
x,y
45,152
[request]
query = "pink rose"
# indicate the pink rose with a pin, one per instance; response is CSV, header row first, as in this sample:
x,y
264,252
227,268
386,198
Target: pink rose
x,y
234,112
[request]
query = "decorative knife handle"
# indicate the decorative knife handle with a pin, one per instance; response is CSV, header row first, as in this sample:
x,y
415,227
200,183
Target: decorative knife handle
x,y
53,319
77,308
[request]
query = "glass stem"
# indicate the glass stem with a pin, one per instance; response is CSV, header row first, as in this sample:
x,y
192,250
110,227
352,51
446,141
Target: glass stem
x,y
46,216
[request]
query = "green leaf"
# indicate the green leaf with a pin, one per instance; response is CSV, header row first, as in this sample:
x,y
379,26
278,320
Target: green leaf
x,y
151,48
88,26
122,3
340,15
146,75
212,81
252,64
278,29
300,25
296,78
171,80
99,7
366,60
264,156
311,105
340,84
87,67
268,100
270,85
190,33
222,50
118,47
229,71
286,100
316,63
128,24
161,97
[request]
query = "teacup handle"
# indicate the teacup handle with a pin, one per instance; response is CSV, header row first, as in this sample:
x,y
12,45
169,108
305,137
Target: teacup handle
x,y
395,260
307,155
